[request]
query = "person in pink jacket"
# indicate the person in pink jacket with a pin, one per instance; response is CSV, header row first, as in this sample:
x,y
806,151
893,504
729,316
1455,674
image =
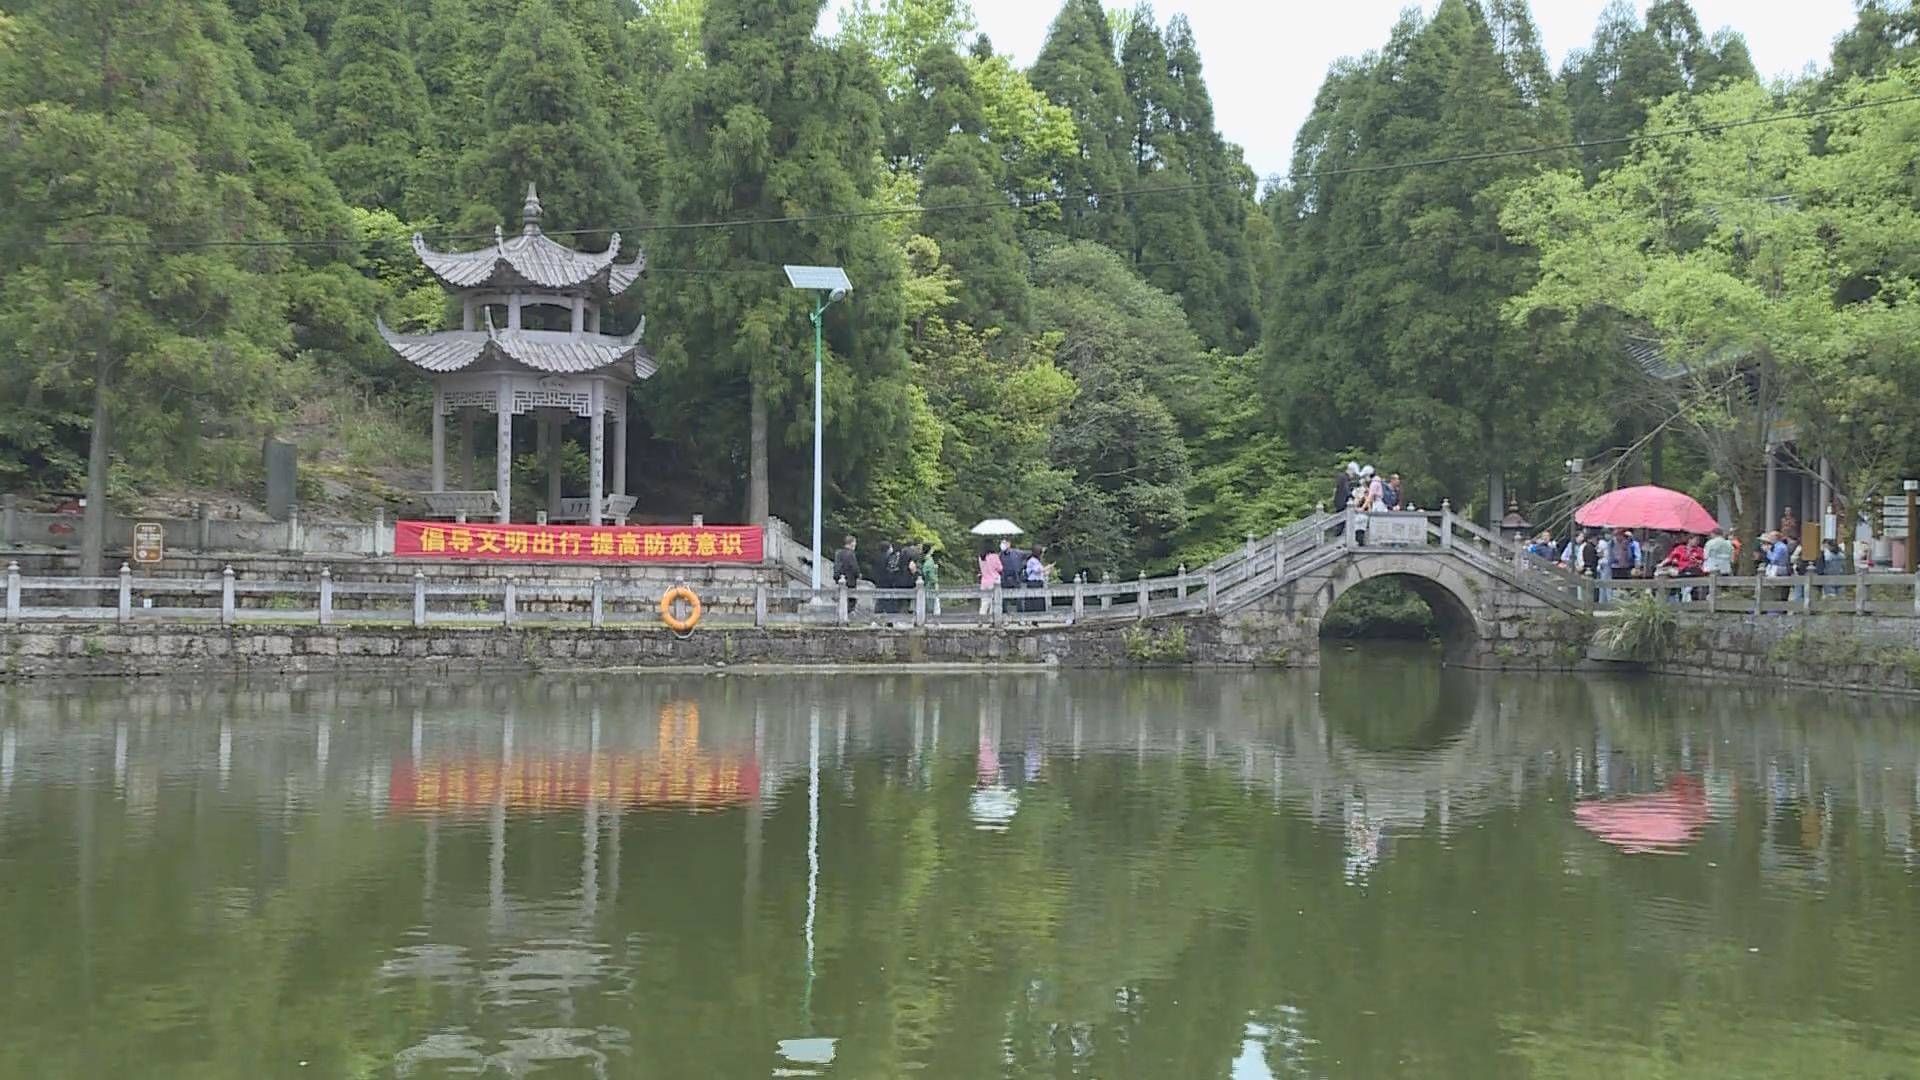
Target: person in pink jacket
x,y
989,577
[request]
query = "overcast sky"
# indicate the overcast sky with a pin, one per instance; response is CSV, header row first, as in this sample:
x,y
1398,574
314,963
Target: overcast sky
x,y
1264,59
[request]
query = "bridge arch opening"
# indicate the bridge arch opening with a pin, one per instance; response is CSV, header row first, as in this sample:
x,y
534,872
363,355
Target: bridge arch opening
x,y
1400,605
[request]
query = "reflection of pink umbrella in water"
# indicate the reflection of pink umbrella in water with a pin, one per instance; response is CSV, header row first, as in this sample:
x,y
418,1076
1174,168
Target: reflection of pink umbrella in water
x,y
1661,823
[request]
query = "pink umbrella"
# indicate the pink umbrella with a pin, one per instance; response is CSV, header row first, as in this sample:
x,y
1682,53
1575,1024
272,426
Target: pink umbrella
x,y
1647,507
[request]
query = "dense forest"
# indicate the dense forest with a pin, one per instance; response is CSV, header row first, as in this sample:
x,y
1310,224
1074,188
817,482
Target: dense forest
x,y
1075,305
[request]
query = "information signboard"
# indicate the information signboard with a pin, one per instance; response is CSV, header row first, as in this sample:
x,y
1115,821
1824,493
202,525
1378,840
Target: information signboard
x,y
149,542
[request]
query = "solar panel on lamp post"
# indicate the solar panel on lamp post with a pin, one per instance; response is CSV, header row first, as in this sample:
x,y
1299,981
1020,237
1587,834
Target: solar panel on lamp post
x,y
827,283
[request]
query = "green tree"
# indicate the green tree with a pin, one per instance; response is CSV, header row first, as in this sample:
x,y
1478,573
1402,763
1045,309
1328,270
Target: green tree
x,y
1385,328
372,106
1768,305
1077,71
131,145
1140,374
1192,193
778,125
545,125
1884,35
1631,66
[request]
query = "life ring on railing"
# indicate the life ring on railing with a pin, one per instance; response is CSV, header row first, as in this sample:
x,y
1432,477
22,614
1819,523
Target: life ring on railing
x,y
681,624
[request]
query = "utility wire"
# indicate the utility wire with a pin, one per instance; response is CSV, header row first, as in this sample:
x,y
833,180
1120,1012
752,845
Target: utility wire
x,y
1053,198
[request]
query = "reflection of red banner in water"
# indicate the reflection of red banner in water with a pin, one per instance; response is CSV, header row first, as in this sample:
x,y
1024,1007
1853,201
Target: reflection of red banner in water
x,y
1660,823
628,780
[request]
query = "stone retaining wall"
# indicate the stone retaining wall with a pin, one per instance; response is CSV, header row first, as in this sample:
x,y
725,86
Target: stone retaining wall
x,y
1844,652
77,650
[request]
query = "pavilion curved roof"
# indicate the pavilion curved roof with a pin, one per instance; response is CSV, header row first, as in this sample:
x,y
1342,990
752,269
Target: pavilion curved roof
x,y
532,260
549,352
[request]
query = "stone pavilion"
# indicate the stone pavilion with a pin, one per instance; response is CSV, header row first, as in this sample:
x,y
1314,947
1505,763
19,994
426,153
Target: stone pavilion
x,y
529,344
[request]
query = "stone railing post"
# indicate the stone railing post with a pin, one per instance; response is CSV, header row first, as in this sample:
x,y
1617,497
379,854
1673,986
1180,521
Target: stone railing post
x,y
1079,596
760,604
999,605
919,603
599,617
229,610
296,537
1279,560
1916,578
1320,534
13,591
126,593
1759,590
1140,604
1209,581
1181,583
1713,594
9,519
203,522
1446,523
380,546
840,604
1106,598
326,595
510,603
1860,592
419,599
1249,547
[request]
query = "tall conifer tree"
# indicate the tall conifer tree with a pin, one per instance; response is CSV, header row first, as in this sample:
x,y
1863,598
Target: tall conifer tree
x,y
1077,70
372,106
776,125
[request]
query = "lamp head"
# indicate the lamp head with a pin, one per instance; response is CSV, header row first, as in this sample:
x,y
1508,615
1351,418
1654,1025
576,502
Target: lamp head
x,y
836,295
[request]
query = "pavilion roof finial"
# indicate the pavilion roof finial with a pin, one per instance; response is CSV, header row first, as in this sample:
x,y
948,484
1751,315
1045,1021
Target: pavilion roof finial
x,y
530,211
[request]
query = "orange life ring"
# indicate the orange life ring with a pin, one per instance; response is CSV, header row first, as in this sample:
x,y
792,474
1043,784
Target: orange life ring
x,y
681,624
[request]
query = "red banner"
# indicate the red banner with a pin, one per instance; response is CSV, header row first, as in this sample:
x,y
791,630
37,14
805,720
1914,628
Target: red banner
x,y
580,543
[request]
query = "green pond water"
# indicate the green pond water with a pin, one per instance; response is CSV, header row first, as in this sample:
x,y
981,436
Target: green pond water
x,y
1378,869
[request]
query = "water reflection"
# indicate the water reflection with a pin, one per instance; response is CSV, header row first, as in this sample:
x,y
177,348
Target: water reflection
x,y
1381,868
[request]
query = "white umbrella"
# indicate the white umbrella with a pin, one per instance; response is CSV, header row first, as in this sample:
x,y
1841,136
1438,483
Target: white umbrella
x,y
997,527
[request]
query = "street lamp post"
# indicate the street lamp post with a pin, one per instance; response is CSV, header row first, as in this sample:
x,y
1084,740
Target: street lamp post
x,y
827,283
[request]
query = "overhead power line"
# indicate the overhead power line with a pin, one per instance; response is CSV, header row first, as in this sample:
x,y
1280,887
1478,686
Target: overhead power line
x,y
1056,198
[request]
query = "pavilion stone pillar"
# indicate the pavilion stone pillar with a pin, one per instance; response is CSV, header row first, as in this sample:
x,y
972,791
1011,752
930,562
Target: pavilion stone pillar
x,y
579,315
469,451
513,312
553,431
503,448
439,440
620,451
597,452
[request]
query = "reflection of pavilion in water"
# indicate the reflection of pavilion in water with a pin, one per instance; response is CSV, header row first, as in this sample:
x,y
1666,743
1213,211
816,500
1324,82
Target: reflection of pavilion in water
x,y
544,951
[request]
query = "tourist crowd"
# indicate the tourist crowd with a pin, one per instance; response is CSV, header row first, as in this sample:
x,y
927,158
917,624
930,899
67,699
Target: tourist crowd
x,y
1004,567
1618,554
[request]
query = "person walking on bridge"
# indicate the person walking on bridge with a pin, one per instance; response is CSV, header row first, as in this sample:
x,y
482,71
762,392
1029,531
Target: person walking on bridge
x,y
846,571
989,577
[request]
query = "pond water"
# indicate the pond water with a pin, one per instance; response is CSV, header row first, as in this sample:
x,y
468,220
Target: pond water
x,y
1380,868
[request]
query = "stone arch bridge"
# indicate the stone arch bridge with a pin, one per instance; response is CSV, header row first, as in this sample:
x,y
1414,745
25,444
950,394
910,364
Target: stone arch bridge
x,y
1495,606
